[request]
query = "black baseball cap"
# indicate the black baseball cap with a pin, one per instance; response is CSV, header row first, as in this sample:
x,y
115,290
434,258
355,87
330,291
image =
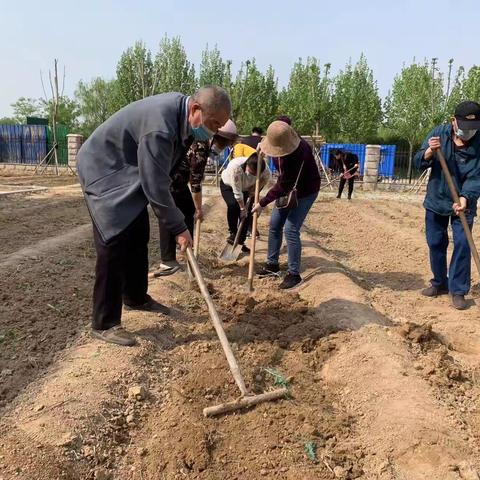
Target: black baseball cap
x,y
468,115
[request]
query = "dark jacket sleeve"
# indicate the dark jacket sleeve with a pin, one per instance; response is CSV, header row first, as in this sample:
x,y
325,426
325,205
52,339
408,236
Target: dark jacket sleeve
x,y
419,160
285,182
155,153
471,186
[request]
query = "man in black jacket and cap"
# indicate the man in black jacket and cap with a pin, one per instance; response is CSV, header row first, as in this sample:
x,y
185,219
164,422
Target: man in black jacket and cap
x,y
125,165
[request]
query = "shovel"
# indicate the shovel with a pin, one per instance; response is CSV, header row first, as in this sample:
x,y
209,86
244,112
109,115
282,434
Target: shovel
x,y
231,252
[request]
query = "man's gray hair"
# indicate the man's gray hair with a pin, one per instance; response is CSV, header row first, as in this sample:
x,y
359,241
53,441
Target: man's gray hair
x,y
213,99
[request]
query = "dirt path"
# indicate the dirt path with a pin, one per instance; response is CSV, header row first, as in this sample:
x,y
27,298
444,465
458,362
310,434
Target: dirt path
x,y
383,382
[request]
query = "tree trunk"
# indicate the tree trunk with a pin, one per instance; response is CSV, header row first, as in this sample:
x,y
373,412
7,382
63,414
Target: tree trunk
x,y
410,161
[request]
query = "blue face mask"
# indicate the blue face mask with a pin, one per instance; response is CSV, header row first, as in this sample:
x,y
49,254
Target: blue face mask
x,y
202,133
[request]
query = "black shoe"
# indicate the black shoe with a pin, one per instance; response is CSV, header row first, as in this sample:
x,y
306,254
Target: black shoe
x,y
459,302
150,305
349,198
339,196
269,270
291,281
231,239
245,249
434,291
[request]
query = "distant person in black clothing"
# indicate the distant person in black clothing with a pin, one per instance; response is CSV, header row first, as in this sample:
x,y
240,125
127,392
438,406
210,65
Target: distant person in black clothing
x,y
334,164
254,138
348,165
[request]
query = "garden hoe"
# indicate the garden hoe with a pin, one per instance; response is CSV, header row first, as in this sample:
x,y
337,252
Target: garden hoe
x,y
456,199
246,399
231,252
196,247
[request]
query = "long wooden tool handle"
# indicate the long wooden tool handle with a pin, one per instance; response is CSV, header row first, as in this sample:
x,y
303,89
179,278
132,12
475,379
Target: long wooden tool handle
x,y
217,323
240,227
196,242
251,265
456,199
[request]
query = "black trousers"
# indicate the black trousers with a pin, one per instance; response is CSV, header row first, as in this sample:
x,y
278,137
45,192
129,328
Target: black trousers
x,y
121,273
233,212
168,246
351,181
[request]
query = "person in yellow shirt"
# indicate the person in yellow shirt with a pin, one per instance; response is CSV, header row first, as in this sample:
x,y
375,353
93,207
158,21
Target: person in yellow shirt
x,y
248,145
242,150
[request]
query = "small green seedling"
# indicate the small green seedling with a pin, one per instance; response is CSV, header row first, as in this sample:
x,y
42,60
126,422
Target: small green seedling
x,y
311,451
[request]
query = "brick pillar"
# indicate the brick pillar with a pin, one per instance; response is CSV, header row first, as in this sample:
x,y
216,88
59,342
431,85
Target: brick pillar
x,y
74,142
372,160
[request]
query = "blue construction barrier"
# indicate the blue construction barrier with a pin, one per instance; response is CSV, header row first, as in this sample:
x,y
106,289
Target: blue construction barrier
x,y
23,143
387,156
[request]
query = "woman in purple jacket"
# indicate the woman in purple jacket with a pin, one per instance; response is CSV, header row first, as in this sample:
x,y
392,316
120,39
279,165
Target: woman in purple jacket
x,y
293,158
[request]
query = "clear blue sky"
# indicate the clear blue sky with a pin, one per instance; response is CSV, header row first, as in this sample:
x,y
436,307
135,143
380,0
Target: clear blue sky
x,y
89,36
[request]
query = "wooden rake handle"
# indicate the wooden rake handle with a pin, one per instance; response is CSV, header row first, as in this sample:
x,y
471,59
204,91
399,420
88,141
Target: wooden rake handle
x,y
217,323
251,265
196,241
240,227
456,199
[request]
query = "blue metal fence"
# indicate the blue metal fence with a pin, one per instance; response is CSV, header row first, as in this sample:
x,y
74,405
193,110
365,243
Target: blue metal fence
x,y
387,156
23,143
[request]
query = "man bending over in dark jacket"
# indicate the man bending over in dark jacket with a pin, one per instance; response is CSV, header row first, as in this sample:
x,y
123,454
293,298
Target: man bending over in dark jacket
x,y
124,166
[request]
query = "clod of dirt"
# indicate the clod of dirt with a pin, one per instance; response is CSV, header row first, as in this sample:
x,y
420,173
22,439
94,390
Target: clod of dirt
x,y
68,440
138,392
416,333
339,472
103,474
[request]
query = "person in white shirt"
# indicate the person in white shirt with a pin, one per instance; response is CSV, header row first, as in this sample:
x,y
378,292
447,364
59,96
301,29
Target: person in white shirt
x,y
236,185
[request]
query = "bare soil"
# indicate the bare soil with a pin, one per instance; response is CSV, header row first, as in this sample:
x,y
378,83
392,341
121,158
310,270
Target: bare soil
x,y
383,382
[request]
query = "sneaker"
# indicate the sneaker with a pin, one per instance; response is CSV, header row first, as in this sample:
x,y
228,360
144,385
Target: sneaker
x,y
459,302
117,335
166,269
245,249
150,305
434,291
291,281
338,196
269,270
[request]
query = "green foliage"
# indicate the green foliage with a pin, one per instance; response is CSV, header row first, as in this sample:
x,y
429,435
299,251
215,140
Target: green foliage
x,y
8,121
307,99
97,100
465,88
356,108
173,71
213,70
136,75
278,379
67,115
27,107
415,103
311,451
68,111
254,96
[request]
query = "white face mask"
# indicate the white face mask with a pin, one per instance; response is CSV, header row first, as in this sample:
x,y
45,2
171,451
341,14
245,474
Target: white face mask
x,y
465,135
